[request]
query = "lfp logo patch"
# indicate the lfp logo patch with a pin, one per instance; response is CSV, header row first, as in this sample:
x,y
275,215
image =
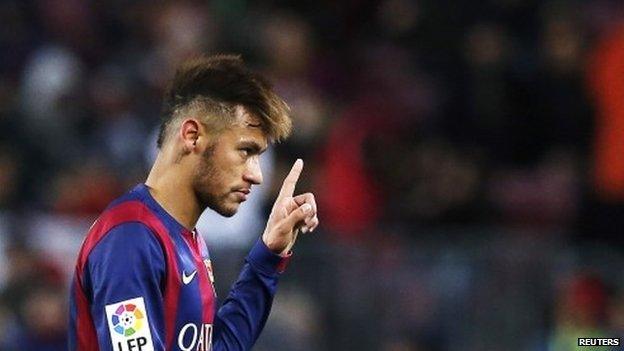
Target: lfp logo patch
x,y
128,325
128,319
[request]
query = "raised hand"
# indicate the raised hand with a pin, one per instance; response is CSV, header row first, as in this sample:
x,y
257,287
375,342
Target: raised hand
x,y
290,214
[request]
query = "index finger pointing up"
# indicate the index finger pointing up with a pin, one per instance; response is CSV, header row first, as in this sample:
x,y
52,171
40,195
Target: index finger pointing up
x,y
290,182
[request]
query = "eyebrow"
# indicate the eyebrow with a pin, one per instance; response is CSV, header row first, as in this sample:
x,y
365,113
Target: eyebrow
x,y
257,149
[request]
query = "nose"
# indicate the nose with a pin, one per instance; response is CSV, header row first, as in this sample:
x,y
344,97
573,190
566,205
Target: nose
x,y
253,172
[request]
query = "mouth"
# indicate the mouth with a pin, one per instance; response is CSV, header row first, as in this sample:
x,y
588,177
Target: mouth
x,y
242,193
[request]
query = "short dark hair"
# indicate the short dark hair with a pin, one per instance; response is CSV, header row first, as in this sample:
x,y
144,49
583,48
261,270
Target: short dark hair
x,y
217,84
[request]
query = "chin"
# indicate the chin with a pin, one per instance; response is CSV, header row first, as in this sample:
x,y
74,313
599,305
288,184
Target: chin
x,y
225,207
227,211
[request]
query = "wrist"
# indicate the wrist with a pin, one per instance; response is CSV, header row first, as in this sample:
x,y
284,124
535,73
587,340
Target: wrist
x,y
267,261
275,247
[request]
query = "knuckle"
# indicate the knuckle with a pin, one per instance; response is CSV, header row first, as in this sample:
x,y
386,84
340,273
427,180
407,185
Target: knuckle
x,y
312,199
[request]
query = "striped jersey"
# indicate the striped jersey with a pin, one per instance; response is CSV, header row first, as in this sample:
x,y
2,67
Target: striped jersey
x,y
143,282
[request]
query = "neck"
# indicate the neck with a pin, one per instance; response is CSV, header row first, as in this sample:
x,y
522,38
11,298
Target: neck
x,y
171,187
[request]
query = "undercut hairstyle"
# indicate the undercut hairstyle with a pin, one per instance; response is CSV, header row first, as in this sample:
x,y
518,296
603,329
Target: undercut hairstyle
x,y
212,87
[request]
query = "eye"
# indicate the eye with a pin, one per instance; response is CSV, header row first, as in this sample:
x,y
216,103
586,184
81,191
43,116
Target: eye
x,y
245,151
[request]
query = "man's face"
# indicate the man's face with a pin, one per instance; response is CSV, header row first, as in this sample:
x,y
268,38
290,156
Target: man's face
x,y
231,165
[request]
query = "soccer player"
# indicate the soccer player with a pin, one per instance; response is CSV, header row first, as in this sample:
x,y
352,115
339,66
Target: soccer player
x,y
143,279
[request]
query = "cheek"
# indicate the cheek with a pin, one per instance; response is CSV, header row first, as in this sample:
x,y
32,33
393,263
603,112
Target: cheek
x,y
232,167
220,180
226,169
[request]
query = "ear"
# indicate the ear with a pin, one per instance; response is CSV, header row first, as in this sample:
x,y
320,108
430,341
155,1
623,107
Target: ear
x,y
190,132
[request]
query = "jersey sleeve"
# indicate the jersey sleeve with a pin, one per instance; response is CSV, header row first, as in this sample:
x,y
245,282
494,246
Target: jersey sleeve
x,y
242,316
123,278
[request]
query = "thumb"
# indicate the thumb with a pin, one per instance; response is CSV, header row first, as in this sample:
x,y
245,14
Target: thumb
x,y
298,215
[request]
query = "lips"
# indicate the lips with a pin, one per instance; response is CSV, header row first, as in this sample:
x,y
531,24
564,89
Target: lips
x,y
242,193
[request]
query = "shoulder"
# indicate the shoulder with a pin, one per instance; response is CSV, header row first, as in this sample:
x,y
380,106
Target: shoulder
x,y
128,234
127,252
127,240
128,225
129,216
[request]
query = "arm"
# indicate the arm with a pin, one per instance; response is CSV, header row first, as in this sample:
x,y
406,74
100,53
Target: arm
x,y
244,313
126,269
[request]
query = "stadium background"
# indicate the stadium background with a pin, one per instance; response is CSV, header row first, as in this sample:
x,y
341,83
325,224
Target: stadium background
x,y
468,157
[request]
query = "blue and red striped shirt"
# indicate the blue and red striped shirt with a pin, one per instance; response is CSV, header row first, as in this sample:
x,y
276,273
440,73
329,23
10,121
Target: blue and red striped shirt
x,y
144,282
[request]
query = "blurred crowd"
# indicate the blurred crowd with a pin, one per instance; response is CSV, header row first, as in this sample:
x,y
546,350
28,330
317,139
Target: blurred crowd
x,y
467,156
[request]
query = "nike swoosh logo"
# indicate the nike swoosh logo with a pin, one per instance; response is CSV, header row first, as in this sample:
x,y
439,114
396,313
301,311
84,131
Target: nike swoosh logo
x,y
186,279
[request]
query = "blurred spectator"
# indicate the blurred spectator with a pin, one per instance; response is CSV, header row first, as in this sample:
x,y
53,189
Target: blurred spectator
x,y
605,72
84,190
544,196
482,113
294,324
9,177
616,314
177,30
348,195
27,270
605,211
34,298
43,313
442,184
288,47
580,311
